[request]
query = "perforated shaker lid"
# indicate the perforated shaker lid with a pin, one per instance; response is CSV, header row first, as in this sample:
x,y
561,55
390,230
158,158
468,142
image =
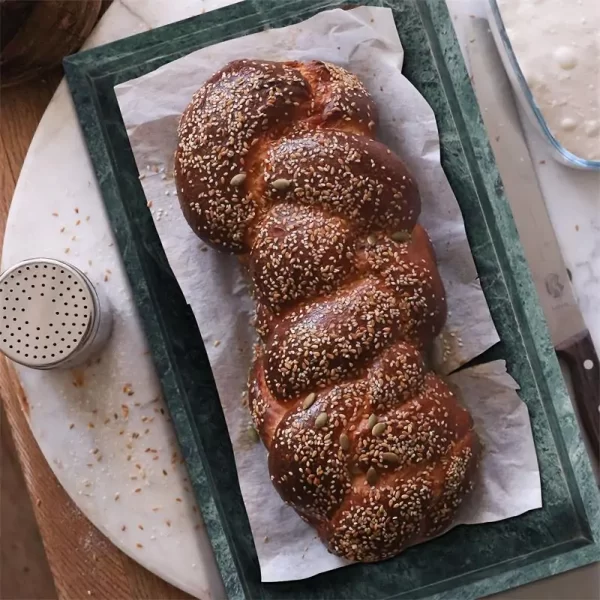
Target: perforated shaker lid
x,y
47,311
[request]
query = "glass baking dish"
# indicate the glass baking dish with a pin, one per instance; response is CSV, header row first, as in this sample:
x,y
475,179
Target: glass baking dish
x,y
524,95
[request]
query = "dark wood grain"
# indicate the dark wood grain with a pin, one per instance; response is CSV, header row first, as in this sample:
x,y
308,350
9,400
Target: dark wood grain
x,y
580,356
24,569
41,34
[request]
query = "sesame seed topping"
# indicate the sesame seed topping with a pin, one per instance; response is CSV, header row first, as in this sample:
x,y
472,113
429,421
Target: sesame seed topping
x,y
276,162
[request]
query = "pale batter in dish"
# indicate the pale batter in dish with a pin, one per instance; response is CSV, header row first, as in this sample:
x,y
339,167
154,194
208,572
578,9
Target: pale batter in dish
x,y
557,45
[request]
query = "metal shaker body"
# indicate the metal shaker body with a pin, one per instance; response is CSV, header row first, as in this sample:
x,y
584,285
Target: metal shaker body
x,y
51,315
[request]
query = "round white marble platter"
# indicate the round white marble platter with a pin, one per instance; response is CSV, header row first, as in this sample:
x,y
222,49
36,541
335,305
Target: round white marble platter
x,y
105,430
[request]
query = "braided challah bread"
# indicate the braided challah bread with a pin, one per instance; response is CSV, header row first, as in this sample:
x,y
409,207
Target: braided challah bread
x,y
277,163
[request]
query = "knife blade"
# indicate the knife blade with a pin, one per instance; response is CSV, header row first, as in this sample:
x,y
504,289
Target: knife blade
x,y
568,331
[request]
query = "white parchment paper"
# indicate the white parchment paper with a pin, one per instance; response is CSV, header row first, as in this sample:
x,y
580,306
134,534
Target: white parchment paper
x,y
365,41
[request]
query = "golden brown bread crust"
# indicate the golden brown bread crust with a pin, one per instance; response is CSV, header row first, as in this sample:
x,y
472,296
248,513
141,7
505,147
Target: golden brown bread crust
x,y
276,162
228,127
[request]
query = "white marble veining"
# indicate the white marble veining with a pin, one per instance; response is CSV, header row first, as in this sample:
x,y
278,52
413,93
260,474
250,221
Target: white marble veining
x,y
105,462
105,430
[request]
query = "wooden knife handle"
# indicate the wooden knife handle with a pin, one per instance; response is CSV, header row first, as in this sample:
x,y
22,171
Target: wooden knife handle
x,y
581,359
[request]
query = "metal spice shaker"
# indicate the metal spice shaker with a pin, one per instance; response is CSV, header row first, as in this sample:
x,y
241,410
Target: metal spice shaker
x,y
51,316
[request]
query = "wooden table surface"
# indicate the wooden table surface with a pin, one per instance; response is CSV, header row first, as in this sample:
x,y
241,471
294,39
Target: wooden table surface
x,y
82,561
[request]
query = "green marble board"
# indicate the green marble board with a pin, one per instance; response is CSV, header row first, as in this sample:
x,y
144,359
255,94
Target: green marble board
x,y
468,562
